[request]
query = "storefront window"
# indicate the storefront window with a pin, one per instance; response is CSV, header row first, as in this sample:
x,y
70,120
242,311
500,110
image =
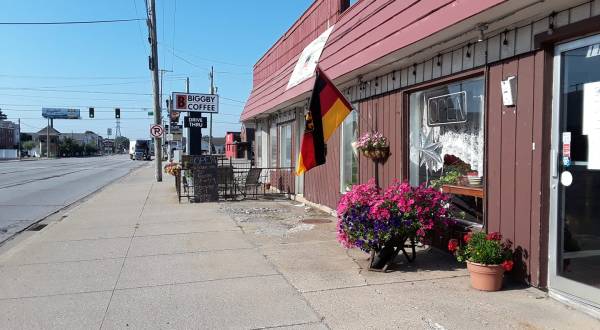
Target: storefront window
x,y
273,145
258,153
285,145
349,154
447,143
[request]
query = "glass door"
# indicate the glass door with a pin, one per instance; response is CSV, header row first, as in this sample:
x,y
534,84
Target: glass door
x,y
575,172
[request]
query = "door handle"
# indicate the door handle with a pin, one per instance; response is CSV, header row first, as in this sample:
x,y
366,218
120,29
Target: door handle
x,y
554,163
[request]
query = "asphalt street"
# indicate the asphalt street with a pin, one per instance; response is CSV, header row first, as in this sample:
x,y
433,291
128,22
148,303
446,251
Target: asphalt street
x,y
30,190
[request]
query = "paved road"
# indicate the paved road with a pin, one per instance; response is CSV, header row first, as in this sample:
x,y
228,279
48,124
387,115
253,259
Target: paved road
x,y
32,190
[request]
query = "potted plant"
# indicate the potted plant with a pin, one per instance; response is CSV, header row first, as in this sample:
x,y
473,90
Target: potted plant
x,y
380,222
487,258
374,145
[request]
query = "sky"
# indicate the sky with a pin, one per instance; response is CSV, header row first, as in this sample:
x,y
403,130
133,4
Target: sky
x,y
105,66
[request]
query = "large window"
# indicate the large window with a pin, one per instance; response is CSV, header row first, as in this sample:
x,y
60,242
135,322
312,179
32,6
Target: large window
x,y
273,145
258,151
349,154
285,145
447,143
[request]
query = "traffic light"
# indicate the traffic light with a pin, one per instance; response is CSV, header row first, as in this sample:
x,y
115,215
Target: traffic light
x,y
91,112
117,113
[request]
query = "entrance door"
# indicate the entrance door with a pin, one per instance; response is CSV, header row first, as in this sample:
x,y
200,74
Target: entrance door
x,y
575,173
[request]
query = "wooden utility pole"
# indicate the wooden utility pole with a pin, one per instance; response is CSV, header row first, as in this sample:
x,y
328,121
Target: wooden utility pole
x,y
212,91
156,89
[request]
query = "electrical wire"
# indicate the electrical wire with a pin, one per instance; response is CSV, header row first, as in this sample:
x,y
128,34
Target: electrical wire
x,y
75,22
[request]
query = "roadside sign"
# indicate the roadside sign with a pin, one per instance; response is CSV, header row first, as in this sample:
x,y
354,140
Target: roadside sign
x,y
207,103
173,137
156,130
176,128
60,113
109,131
191,122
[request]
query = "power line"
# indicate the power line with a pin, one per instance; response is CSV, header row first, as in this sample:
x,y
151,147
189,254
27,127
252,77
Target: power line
x,y
72,77
75,22
69,98
95,92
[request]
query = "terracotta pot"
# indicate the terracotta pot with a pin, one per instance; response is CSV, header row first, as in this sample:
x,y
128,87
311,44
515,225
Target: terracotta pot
x,y
485,277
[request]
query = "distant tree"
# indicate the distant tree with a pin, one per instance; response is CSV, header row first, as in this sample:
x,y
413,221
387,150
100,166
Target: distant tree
x,y
90,149
27,145
121,143
2,116
69,148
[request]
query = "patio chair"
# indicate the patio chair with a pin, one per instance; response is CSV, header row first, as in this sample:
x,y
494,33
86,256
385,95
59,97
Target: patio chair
x,y
251,181
226,181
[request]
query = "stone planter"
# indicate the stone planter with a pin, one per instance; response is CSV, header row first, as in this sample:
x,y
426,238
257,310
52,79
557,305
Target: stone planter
x,y
485,277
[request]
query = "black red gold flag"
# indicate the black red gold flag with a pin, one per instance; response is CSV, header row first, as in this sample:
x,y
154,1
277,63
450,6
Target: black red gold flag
x,y
327,110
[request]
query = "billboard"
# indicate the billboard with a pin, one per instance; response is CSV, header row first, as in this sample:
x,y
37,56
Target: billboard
x,y
60,113
207,103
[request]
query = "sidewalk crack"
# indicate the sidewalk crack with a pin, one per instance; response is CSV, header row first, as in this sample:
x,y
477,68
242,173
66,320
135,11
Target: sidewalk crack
x,y
125,258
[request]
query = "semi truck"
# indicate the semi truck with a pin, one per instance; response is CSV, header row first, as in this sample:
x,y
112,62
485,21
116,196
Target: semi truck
x,y
140,149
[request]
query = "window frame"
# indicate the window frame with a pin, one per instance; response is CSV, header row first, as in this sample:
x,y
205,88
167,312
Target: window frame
x,y
354,113
285,149
481,73
273,154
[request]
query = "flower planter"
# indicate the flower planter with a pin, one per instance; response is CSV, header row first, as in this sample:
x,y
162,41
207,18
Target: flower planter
x,y
485,277
377,154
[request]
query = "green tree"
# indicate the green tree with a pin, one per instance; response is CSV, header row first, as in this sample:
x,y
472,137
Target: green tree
x,y
27,145
121,143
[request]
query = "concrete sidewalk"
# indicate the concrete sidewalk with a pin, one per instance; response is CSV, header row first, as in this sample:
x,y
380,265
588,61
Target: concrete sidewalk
x,y
131,257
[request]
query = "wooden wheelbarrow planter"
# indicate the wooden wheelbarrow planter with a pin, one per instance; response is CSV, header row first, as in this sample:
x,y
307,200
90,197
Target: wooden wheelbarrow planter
x,y
382,260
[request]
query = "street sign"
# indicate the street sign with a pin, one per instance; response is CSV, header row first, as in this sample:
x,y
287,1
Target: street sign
x,y
60,113
173,137
109,131
175,128
156,130
207,103
190,122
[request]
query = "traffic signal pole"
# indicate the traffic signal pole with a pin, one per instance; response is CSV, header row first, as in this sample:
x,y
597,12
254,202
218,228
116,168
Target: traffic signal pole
x,y
156,89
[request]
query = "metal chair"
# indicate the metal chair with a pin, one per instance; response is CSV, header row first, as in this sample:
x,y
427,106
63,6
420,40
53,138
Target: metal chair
x,y
251,181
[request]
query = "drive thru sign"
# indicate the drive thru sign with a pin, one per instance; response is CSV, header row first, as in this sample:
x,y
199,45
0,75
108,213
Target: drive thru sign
x,y
207,103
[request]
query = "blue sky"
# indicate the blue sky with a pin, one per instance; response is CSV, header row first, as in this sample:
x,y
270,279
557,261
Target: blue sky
x,y
105,65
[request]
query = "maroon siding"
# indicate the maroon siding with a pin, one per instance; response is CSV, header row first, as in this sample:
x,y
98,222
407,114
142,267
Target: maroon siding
x,y
383,114
322,184
514,178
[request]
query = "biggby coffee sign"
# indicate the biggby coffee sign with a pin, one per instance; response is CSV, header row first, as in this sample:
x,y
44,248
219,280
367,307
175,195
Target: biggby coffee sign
x,y
206,103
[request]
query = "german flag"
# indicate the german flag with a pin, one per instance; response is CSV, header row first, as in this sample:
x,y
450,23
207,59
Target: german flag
x,y
326,112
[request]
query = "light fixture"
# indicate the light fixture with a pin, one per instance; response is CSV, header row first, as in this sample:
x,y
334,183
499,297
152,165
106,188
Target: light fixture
x,y
505,41
481,28
551,23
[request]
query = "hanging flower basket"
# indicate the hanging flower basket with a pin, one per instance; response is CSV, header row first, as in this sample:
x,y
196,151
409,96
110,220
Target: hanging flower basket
x,y
173,168
374,145
376,154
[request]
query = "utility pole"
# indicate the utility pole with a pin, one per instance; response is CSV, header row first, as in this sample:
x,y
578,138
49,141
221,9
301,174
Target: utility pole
x,y
156,89
19,138
48,139
188,139
212,91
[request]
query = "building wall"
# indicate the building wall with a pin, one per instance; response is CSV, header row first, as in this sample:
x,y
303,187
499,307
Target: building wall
x,y
383,114
322,183
516,170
